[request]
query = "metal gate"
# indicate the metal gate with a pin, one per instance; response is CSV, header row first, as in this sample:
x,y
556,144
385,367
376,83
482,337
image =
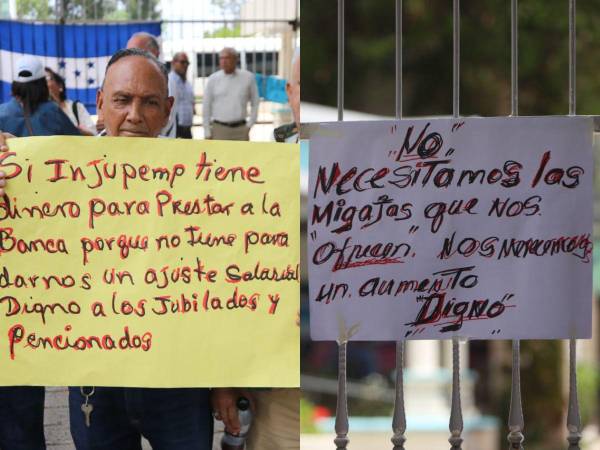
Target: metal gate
x,y
515,435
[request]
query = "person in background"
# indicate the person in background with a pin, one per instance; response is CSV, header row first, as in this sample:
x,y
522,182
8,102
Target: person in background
x,y
75,110
144,41
183,92
276,422
29,113
290,132
226,97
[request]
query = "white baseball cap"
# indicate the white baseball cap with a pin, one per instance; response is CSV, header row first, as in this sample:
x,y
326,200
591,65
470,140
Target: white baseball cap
x,y
29,68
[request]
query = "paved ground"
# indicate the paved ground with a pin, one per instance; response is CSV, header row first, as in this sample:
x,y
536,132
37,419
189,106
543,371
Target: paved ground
x,y
56,422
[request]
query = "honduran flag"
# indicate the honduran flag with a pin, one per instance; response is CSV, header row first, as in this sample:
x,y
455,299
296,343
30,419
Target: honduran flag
x,y
78,52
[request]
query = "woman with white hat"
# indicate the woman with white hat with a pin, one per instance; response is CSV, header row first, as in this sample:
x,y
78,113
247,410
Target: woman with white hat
x,y
29,113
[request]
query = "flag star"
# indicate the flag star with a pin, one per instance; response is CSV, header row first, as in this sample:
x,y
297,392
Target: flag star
x,y
77,73
62,64
90,81
90,64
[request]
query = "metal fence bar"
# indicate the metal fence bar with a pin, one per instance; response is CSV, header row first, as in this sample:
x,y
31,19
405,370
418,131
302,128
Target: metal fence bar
x,y
399,419
514,58
218,21
341,415
456,58
573,418
71,20
340,61
572,58
515,415
398,59
516,422
456,420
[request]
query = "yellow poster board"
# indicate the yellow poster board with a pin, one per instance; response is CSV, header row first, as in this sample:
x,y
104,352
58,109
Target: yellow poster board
x,y
149,262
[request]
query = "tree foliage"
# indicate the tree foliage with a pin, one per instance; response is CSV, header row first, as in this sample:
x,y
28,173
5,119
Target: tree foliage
x,y
427,46
229,8
88,9
225,32
34,9
142,9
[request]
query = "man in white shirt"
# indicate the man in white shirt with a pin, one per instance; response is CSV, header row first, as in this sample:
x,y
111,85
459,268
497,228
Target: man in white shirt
x,y
183,92
226,97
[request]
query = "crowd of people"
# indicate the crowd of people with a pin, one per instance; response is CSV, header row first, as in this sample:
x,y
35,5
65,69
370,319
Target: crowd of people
x,y
140,98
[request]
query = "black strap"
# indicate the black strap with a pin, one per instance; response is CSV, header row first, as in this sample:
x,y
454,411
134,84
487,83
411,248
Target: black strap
x,y
167,133
235,124
75,110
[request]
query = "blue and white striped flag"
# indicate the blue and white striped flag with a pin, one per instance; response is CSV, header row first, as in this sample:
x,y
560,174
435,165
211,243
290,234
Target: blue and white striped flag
x,y
78,52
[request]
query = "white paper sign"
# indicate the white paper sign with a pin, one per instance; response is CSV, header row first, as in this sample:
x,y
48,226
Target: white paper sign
x,y
433,228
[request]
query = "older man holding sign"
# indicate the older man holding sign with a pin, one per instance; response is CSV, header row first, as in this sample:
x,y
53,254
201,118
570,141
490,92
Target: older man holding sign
x,y
156,289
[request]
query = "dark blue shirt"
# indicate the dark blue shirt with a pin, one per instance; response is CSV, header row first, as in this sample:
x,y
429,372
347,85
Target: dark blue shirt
x,y
47,120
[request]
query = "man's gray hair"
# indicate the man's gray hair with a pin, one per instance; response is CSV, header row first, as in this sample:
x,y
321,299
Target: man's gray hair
x,y
231,51
178,54
152,41
125,52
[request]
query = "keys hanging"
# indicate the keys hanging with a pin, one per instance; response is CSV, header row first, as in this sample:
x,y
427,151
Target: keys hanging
x,y
87,407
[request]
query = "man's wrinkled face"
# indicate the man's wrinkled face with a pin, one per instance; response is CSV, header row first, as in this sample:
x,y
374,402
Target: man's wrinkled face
x,y
134,100
227,62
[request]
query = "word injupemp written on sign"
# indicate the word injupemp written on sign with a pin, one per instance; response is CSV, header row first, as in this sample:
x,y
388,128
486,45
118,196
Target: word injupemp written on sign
x,y
149,262
433,228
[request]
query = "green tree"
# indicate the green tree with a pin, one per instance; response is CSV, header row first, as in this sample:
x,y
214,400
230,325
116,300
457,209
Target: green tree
x,y
88,9
142,9
82,9
231,8
427,46
34,9
225,32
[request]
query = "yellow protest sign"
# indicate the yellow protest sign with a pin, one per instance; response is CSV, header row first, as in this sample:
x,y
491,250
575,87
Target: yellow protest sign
x,y
149,262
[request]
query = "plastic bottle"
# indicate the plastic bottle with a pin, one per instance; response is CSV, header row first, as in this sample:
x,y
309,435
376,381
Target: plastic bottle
x,y
233,442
